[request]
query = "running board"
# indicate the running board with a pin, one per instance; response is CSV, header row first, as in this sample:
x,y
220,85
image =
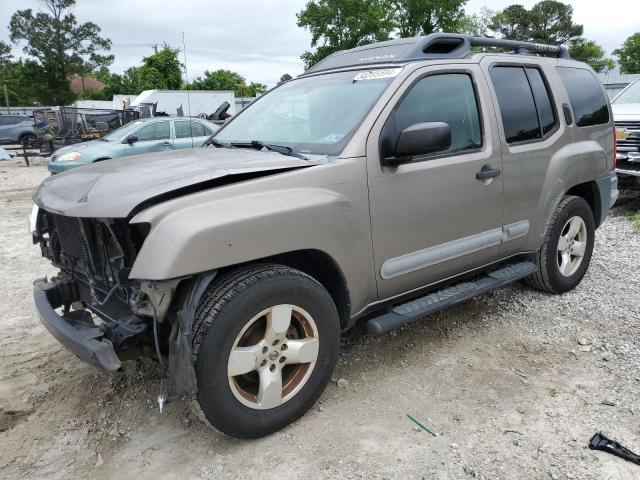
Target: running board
x,y
434,302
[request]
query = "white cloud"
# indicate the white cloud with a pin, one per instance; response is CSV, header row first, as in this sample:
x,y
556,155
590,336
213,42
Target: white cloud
x,y
264,28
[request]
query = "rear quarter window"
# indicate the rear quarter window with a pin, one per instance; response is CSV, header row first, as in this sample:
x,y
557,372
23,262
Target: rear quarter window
x,y
588,102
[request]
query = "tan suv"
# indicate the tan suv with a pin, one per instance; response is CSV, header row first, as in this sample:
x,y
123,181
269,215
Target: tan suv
x,y
388,182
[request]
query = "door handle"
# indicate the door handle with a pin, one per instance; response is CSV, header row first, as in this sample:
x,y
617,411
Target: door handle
x,y
166,144
489,173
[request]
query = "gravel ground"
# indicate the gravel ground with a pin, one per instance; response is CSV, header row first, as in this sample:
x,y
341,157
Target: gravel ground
x,y
514,383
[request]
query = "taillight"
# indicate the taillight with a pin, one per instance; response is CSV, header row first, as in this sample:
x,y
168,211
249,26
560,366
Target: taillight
x,y
615,149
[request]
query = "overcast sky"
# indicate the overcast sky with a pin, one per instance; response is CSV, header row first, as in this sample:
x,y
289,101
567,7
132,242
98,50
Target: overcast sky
x,y
260,38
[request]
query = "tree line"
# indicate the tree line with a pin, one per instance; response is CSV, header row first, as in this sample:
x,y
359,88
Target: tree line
x,y
57,46
342,24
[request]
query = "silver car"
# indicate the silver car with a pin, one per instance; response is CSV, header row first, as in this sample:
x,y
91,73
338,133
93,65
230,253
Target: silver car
x,y
15,128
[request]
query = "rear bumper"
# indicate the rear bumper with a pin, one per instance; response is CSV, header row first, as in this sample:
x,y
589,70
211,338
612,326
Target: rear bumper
x,y
75,331
626,171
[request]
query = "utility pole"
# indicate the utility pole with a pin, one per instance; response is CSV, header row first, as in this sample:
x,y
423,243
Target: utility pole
x,y
6,98
155,48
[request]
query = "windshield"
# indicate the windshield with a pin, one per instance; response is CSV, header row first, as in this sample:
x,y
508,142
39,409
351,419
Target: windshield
x,y
121,132
315,115
630,95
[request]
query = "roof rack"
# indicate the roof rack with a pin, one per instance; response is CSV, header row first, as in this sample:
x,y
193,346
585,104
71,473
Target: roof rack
x,y
433,46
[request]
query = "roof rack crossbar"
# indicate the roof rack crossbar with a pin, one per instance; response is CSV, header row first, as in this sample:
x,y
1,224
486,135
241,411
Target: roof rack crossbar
x,y
561,51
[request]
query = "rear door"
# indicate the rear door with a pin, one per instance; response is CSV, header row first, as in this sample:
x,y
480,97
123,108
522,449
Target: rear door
x,y
537,151
431,216
9,128
184,138
152,137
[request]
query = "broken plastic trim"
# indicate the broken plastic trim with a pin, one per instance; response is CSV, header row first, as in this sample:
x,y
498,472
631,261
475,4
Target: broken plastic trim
x,y
600,442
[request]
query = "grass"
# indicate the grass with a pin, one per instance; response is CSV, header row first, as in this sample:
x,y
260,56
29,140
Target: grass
x,y
635,219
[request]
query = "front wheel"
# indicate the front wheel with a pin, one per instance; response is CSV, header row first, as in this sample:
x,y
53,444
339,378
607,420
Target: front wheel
x,y
265,341
567,247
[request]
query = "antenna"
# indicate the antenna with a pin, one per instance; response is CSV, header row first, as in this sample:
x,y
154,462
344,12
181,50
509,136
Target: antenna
x,y
186,79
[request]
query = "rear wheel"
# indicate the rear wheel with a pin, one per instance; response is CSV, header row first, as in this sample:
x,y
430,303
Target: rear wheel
x,y
265,341
567,247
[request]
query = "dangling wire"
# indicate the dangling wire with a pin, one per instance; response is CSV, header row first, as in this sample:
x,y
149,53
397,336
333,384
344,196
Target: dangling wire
x,y
155,336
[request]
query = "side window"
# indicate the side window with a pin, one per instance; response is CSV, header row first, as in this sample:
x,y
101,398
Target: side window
x,y
543,100
197,129
587,100
525,103
448,98
182,129
154,131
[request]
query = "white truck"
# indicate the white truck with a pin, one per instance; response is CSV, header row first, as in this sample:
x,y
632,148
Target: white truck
x,y
183,102
626,114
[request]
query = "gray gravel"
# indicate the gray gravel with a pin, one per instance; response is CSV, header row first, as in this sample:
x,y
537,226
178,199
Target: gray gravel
x,y
514,383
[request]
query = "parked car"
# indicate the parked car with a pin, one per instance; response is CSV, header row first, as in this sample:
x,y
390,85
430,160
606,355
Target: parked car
x,y
626,114
144,135
385,183
16,128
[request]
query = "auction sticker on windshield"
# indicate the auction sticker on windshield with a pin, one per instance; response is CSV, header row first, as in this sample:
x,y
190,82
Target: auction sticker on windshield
x,y
376,74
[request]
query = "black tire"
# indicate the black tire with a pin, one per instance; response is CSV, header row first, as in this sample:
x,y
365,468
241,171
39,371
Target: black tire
x,y
548,277
26,138
222,314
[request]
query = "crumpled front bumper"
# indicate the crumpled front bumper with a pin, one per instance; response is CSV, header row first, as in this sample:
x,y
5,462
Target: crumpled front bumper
x,y
75,330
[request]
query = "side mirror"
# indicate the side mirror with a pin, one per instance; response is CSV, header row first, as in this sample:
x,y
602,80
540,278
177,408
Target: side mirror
x,y
419,139
131,139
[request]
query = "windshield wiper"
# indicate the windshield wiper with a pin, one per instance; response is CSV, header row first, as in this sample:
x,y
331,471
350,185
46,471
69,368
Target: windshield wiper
x,y
277,148
216,143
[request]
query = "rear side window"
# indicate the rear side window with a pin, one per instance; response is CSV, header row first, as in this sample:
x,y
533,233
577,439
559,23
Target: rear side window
x,y
587,100
182,129
448,98
525,103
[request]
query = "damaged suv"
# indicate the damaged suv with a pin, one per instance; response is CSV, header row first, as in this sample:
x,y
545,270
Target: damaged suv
x,y
384,184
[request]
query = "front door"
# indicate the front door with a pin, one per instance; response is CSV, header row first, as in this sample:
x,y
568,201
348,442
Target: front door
x,y
153,137
432,217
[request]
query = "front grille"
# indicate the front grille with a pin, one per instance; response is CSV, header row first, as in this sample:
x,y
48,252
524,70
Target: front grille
x,y
97,254
628,145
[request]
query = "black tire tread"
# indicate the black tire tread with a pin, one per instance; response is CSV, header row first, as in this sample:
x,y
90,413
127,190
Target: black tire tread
x,y
218,295
540,279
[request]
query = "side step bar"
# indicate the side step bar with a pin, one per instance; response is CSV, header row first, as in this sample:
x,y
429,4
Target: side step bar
x,y
434,302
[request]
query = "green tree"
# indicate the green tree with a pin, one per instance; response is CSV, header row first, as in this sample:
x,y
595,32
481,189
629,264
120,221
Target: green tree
x,y
5,53
59,44
25,81
255,89
342,24
285,78
422,17
162,70
218,80
629,54
590,52
477,24
547,22
227,80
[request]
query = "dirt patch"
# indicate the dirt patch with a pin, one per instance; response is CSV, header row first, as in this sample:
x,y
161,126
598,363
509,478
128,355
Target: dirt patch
x,y
11,418
514,383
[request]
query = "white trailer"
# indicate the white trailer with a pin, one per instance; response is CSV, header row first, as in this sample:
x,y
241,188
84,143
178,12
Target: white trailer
x,y
191,102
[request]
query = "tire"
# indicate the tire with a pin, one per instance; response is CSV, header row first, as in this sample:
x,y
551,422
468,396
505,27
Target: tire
x,y
25,138
235,315
554,274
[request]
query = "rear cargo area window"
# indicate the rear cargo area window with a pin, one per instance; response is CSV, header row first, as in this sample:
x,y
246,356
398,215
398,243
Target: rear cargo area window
x,y
587,99
525,103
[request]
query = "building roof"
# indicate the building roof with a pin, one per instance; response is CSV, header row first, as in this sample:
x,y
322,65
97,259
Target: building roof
x,y
617,78
80,85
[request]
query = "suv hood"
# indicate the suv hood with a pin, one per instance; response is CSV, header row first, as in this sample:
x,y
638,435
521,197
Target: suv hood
x,y
114,188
